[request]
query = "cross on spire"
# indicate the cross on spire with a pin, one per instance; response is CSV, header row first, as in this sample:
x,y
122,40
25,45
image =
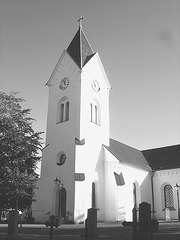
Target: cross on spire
x,y
80,21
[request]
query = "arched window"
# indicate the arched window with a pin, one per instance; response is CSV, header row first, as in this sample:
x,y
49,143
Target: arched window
x,y
63,110
168,196
67,111
91,112
95,112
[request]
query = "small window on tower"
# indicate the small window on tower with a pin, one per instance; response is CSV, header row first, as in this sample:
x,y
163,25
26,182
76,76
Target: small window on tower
x,y
67,111
95,112
63,110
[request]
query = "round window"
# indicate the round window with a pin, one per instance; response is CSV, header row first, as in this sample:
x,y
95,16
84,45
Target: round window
x,y
61,158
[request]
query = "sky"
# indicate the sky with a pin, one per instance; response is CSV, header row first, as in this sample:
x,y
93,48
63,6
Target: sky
x,y
139,45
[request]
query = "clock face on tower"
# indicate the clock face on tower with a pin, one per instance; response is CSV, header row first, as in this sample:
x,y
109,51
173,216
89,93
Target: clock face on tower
x,y
64,83
95,85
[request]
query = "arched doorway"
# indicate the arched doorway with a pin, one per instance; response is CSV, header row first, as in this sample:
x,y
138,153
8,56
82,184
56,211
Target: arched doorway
x,y
60,204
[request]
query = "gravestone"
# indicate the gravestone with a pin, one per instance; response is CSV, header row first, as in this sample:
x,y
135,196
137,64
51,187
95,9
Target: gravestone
x,y
91,223
145,228
93,195
135,224
13,225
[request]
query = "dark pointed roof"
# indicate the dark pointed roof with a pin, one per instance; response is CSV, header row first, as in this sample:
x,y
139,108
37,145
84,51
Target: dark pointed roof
x,y
163,158
152,159
79,49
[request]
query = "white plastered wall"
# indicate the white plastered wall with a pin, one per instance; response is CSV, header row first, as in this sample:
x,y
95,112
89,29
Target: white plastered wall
x,y
160,179
119,199
89,156
59,137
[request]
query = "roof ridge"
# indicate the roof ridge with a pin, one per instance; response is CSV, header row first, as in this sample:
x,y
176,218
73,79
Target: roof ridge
x,y
128,154
158,148
124,144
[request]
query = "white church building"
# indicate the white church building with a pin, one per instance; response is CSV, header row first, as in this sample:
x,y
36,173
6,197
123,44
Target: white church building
x,y
94,170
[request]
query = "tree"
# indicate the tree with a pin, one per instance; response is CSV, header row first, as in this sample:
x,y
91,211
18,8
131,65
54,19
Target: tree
x,y
19,154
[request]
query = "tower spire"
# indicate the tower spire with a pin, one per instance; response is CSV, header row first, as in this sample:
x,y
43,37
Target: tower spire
x,y
79,48
80,21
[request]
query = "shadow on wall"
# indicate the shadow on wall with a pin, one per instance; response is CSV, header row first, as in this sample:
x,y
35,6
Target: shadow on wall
x,y
146,190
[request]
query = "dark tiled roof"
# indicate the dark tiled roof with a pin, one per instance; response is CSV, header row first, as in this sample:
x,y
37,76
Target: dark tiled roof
x,y
79,49
163,158
127,154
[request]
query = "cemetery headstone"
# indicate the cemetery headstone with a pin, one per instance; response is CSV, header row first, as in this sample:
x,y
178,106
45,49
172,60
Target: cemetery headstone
x,y
13,225
91,223
145,227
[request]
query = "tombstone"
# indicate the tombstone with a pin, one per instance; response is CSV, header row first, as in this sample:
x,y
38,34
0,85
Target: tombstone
x,y
93,195
13,225
91,223
145,230
135,224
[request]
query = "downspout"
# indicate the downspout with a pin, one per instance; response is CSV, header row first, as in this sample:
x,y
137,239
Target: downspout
x,y
152,191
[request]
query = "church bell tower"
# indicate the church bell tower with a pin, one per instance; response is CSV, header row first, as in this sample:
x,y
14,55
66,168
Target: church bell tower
x,y
77,128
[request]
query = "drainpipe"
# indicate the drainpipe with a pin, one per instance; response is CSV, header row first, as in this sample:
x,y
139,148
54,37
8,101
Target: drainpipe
x,y
152,189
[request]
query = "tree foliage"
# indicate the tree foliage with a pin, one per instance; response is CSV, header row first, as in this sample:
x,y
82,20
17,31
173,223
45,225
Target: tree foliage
x,y
19,153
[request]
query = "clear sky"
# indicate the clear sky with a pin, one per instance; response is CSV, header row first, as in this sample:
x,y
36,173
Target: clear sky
x,y
138,42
